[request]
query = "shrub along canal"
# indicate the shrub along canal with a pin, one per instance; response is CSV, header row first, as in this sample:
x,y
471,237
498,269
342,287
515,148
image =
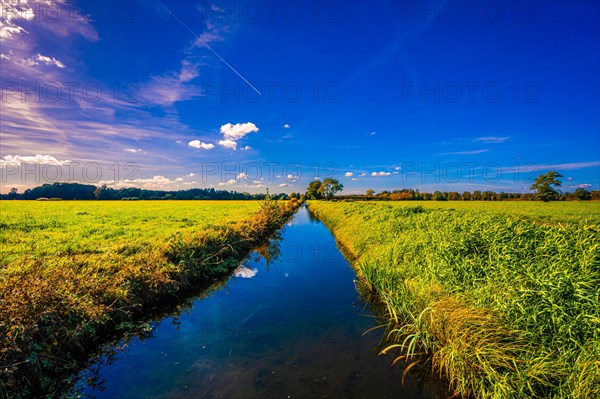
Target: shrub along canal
x,y
289,325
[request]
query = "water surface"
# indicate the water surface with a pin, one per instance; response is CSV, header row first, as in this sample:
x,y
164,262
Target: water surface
x,y
292,326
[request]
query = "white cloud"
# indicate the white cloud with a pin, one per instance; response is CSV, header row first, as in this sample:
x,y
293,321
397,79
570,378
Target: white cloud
x,y
133,150
179,179
191,174
348,174
245,148
398,168
200,144
372,133
242,176
283,185
229,182
354,179
582,186
228,144
363,174
286,126
492,139
237,131
154,182
292,177
39,159
380,173
50,61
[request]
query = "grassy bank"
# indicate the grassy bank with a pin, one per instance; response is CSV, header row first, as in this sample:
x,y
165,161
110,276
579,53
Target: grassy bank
x,y
73,273
503,303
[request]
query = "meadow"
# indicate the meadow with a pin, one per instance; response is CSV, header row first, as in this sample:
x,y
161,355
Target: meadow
x,y
74,272
500,299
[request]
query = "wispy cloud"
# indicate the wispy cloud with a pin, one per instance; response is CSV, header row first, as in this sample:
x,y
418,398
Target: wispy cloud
x,y
473,152
492,139
585,185
37,159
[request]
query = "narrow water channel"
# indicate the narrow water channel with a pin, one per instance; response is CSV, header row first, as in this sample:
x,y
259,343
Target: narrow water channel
x,y
291,327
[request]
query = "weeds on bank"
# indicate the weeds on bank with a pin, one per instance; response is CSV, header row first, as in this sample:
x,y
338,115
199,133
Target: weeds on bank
x,y
496,304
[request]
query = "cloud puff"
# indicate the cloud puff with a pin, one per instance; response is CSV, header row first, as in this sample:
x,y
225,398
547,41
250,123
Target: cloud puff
x,y
283,185
244,272
228,144
354,179
492,139
286,126
237,131
229,182
363,174
245,148
242,176
348,174
39,159
380,173
201,145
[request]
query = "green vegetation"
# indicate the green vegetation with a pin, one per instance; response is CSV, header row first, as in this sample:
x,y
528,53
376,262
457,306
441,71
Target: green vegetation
x,y
500,299
544,186
78,191
73,273
327,188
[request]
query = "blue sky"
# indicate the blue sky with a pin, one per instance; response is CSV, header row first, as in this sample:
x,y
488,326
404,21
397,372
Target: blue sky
x,y
243,96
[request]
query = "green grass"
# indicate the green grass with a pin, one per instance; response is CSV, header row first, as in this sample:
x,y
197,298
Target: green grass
x,y
502,299
74,272
51,230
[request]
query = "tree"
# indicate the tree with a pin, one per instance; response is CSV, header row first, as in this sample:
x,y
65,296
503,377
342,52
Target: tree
x,y
582,194
543,185
100,191
370,193
329,187
13,193
314,190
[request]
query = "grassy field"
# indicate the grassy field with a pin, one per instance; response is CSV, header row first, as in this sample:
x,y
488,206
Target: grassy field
x,y
502,299
73,272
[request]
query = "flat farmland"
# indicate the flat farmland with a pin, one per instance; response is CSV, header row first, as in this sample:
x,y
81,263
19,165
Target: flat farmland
x,y
73,273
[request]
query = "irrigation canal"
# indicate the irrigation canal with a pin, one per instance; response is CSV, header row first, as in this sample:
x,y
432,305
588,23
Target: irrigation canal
x,y
286,325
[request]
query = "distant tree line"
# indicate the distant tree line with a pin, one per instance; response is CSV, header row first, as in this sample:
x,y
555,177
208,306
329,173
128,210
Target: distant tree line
x,y
77,191
580,194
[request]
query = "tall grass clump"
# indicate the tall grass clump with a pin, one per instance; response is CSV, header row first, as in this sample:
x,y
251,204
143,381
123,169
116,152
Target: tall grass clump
x,y
64,295
500,305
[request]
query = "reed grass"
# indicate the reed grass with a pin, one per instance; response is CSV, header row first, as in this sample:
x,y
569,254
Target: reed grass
x,y
499,304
